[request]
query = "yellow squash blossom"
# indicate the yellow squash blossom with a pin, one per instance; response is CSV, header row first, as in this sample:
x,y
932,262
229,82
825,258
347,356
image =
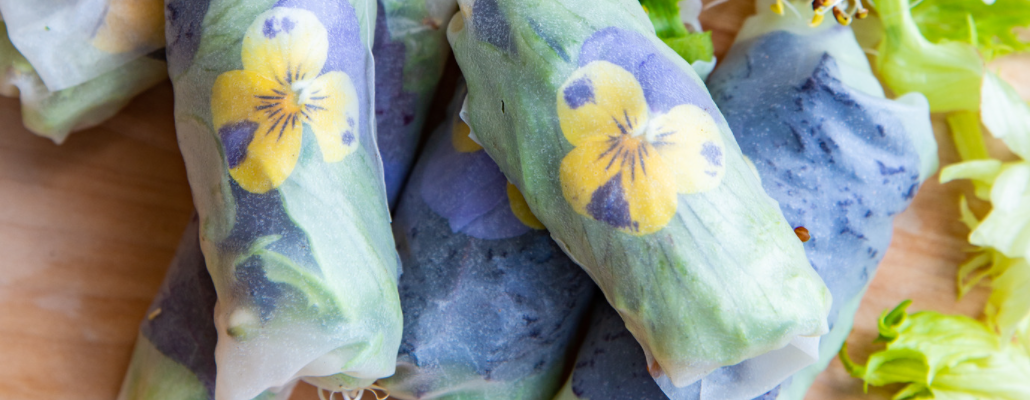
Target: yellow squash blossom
x,y
629,162
261,111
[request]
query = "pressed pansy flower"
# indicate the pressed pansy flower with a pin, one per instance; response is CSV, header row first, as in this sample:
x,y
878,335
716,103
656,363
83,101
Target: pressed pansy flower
x,y
130,25
261,112
632,158
463,185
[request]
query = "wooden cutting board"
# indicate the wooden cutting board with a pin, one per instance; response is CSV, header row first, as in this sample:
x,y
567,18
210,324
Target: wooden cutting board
x,y
88,228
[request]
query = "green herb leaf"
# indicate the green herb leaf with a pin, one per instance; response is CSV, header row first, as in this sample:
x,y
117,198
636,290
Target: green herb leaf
x,y
665,16
944,357
948,73
989,27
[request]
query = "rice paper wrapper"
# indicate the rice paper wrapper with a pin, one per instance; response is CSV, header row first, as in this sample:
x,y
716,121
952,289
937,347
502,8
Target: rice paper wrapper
x,y
70,42
410,52
622,154
174,358
490,301
611,365
55,114
275,121
840,159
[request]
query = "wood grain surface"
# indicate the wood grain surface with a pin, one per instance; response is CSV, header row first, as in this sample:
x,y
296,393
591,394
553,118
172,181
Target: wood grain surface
x,y
88,228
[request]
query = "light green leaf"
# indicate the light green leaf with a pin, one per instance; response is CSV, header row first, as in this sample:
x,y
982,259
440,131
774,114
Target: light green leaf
x,y
944,357
965,131
986,24
1005,114
948,73
1007,227
668,24
985,171
1009,304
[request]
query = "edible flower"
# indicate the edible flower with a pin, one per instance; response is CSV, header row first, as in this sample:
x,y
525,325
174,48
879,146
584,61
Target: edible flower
x,y
262,111
629,162
464,185
130,25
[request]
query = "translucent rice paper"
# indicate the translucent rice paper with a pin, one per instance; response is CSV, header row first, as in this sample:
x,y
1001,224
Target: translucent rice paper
x,y
622,154
70,42
56,114
174,357
490,301
840,158
275,120
610,365
410,53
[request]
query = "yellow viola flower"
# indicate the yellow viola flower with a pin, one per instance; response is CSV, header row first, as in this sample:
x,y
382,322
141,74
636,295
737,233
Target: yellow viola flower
x,y
520,208
630,162
260,112
130,25
460,139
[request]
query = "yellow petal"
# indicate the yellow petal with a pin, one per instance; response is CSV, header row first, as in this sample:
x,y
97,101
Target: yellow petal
x,y
261,143
637,200
286,44
330,105
600,100
130,25
688,140
520,208
460,139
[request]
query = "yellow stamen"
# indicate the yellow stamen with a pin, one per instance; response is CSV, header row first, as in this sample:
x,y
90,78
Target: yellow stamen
x,y
842,17
777,7
817,19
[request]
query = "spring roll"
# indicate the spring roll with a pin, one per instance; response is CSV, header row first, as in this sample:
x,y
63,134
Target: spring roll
x,y
174,358
275,121
490,301
610,365
840,158
74,64
410,53
623,156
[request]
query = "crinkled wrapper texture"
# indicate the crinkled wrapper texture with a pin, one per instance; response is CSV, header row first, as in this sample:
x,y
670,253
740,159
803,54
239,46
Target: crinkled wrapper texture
x,y
410,51
701,252
611,365
490,303
275,121
55,114
174,356
841,161
73,41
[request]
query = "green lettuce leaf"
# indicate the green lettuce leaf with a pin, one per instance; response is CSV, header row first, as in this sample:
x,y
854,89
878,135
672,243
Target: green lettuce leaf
x,y
1005,114
948,72
665,16
988,26
942,356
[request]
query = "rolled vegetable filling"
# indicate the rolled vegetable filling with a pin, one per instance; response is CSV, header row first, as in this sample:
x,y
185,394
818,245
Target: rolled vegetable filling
x,y
610,365
174,358
840,159
275,120
623,156
410,53
74,64
490,301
